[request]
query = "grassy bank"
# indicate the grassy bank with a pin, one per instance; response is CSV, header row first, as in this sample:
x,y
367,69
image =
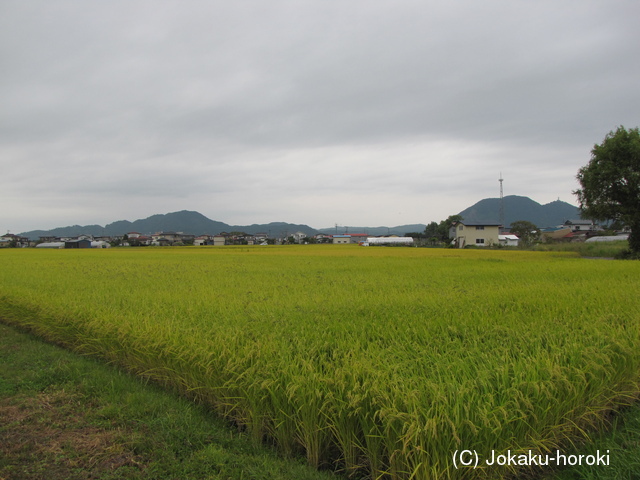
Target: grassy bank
x,y
66,417
586,249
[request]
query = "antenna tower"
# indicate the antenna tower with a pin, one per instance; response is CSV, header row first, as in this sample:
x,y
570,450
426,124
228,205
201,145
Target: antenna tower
x,y
501,203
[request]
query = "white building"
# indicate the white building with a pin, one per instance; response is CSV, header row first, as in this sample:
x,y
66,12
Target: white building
x,y
390,241
508,240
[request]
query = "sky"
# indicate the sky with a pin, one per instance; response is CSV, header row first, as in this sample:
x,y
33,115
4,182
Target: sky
x,y
360,113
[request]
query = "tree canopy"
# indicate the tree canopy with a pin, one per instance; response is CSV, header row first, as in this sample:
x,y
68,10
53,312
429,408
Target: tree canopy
x,y
527,232
440,231
610,182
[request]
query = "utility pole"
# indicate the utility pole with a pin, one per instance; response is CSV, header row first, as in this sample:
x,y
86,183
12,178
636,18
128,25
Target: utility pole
x,y
501,203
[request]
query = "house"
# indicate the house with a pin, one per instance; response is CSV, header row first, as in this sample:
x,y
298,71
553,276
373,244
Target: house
x,y
219,240
581,225
347,238
100,244
107,238
341,239
508,240
137,241
13,240
471,233
299,237
323,238
203,240
143,240
169,238
161,241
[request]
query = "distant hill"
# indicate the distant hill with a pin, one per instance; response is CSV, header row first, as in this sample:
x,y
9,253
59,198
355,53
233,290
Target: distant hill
x,y
376,231
521,208
184,221
487,210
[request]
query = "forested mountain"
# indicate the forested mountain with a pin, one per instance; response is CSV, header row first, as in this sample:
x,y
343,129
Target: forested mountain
x,y
521,208
183,221
487,211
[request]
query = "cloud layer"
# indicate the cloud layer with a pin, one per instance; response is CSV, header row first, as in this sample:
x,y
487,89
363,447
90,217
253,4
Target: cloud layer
x,y
364,112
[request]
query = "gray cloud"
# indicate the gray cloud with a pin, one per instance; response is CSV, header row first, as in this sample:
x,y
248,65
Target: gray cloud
x,y
374,112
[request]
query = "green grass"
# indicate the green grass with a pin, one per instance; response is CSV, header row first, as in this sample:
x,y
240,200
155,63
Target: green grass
x,y
366,360
64,416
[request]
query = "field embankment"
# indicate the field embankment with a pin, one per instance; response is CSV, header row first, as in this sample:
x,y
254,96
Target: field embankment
x,y
609,250
375,360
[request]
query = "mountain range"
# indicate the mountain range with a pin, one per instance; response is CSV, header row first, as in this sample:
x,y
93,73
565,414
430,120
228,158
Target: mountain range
x,y
184,221
487,211
521,208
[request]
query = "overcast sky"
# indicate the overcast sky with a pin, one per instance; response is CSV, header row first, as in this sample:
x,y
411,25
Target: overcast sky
x,y
318,112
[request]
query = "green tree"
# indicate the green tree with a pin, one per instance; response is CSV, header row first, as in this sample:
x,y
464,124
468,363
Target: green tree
x,y
610,182
431,230
439,232
445,225
526,231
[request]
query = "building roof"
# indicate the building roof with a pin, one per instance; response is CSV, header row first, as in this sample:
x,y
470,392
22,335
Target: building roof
x,y
611,238
479,224
578,222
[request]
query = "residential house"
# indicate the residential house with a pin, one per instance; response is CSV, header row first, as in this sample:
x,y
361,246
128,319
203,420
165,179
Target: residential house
x,y
581,225
13,240
471,233
508,240
347,238
169,238
299,237
160,241
107,238
100,244
341,239
141,240
203,240
323,238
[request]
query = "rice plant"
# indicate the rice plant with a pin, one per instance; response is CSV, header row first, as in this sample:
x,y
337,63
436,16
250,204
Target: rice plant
x,y
380,361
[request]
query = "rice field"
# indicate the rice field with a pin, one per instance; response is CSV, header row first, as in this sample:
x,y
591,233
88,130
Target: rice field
x,y
377,362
